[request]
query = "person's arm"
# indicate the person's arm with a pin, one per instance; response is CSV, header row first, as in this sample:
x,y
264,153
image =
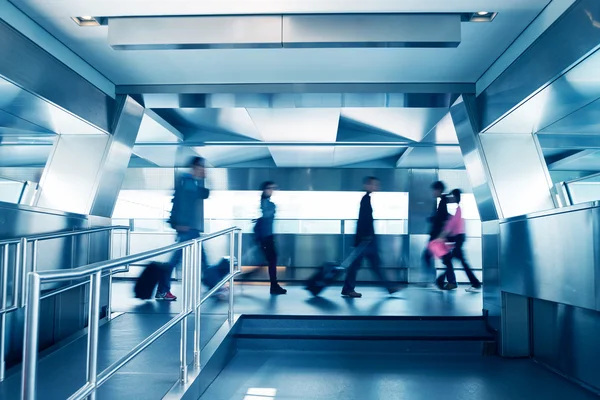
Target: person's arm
x,y
452,224
204,193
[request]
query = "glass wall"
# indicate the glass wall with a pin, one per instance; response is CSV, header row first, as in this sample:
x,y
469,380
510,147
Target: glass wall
x,y
297,211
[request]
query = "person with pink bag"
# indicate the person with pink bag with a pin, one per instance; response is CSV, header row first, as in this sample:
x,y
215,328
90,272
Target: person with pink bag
x,y
454,231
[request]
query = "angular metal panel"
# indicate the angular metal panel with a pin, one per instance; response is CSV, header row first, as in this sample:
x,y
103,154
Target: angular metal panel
x,y
368,30
155,129
464,115
522,185
165,156
114,165
24,156
28,62
219,157
348,155
72,168
194,32
586,120
431,157
572,36
410,123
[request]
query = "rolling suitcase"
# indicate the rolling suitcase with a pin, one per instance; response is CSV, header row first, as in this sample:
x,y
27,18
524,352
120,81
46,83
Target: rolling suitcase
x,y
147,281
216,273
329,272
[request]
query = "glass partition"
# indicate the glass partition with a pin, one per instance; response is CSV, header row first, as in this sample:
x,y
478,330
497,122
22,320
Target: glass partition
x,y
11,191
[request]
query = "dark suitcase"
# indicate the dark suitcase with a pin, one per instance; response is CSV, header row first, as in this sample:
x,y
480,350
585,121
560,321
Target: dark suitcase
x,y
216,273
147,281
329,272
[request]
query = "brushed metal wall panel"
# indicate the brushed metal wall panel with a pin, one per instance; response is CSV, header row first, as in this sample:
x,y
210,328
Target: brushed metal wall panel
x,y
550,257
566,338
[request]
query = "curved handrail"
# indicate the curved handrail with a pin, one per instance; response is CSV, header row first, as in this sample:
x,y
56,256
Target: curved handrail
x,y
61,234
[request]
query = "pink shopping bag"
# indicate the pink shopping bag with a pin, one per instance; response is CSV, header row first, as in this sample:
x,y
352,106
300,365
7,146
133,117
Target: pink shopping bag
x,y
438,248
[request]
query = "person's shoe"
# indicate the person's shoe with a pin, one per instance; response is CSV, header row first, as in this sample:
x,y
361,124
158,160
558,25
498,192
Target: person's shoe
x,y
277,290
351,293
473,289
450,286
393,289
168,296
439,284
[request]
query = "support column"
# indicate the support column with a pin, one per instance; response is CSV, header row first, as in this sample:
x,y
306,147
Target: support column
x,y
509,178
84,172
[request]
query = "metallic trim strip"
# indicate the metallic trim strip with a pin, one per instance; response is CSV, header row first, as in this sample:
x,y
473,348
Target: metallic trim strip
x,y
289,88
295,144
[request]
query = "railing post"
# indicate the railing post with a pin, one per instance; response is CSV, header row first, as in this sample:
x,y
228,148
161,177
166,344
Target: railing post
x,y
93,324
110,276
22,283
239,252
30,338
185,269
231,270
197,299
5,253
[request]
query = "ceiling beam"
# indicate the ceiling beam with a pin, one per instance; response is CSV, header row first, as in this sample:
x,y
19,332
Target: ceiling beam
x,y
562,160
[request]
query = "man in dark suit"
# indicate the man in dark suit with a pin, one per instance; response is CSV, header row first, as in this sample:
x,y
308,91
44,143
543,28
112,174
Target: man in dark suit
x,y
438,221
365,232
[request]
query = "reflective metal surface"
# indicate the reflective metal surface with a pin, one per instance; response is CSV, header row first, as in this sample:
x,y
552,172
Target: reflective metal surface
x,y
490,242
82,102
420,200
306,96
369,30
115,162
154,128
572,36
537,255
18,156
566,339
522,186
464,117
90,168
288,31
195,32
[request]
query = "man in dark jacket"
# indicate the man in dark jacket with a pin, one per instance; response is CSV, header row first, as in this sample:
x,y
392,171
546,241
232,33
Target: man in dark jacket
x,y
187,218
438,221
365,232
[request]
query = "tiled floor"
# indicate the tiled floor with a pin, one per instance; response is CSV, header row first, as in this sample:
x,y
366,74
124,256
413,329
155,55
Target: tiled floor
x,y
255,299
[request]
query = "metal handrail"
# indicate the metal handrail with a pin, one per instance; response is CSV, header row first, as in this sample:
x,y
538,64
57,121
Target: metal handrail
x,y
191,298
20,271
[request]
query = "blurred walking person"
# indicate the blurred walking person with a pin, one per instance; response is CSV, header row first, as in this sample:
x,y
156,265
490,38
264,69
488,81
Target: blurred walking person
x,y
263,231
438,221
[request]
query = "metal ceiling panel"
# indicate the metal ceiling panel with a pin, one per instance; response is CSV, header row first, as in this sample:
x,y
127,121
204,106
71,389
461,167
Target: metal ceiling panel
x,y
232,121
293,156
155,129
568,142
222,156
432,157
165,156
443,133
382,30
221,32
185,100
590,161
344,156
296,125
410,123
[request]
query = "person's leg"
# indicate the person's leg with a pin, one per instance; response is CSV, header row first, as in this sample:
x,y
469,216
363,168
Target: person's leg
x,y
459,254
268,245
450,276
372,254
164,283
350,282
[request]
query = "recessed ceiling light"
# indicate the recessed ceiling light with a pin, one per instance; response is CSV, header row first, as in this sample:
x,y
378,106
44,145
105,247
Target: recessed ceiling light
x,y
86,21
483,16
